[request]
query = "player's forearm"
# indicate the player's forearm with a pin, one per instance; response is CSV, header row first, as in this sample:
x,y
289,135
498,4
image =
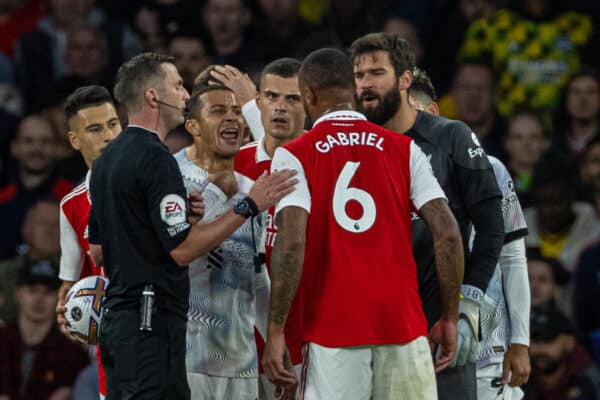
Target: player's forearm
x,y
204,237
286,265
263,294
516,286
251,114
488,223
449,257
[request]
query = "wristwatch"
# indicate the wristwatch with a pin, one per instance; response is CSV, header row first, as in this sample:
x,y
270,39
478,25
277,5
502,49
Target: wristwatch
x,y
246,208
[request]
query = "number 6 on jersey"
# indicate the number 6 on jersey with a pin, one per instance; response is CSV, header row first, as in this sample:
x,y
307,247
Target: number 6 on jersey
x,y
343,194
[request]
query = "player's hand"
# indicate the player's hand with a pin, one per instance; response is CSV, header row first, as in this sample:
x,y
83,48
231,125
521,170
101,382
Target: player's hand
x,y
276,362
196,204
516,365
269,189
467,347
442,339
61,320
240,84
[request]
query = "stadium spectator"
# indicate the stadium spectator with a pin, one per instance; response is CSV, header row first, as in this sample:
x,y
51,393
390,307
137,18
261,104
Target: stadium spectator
x,y
474,96
33,177
41,54
36,360
40,242
525,144
408,31
587,299
561,369
589,172
191,56
547,280
16,18
559,226
581,109
533,52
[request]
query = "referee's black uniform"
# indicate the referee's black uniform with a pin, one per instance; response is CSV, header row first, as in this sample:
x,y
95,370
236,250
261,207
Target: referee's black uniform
x,y
464,172
138,216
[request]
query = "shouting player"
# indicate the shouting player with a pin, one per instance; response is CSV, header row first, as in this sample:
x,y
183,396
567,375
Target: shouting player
x,y
228,296
283,117
93,124
503,352
346,229
383,65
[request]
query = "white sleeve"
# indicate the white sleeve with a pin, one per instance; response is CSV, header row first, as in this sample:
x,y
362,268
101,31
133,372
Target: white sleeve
x,y
300,197
263,294
516,288
251,114
423,184
71,257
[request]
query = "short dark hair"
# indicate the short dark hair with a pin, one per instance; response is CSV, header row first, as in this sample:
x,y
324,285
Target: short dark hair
x,y
135,74
554,171
85,97
560,275
402,56
422,86
526,111
194,104
327,68
286,67
203,78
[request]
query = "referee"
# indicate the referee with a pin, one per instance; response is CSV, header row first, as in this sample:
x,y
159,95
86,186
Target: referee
x,y
142,232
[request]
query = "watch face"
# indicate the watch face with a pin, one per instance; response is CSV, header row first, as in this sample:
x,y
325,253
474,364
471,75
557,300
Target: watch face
x,y
242,207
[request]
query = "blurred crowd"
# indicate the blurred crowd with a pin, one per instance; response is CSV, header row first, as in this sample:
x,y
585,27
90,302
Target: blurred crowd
x,y
522,74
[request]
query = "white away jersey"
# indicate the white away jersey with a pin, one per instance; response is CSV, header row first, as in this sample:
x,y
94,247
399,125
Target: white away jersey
x,y
223,287
494,316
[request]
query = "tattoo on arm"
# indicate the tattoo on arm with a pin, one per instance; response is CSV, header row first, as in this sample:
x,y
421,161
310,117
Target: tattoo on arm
x,y
448,248
286,261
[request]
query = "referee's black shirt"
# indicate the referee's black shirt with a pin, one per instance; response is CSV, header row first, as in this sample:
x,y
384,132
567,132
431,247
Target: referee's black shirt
x,y
467,178
139,215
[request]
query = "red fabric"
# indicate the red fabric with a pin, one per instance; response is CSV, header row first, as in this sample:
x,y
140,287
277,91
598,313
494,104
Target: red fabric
x,y
61,187
8,192
358,288
56,363
101,374
245,163
22,21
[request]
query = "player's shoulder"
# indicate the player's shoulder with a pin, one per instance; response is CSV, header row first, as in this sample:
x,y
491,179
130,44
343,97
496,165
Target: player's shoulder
x,y
440,128
74,195
247,153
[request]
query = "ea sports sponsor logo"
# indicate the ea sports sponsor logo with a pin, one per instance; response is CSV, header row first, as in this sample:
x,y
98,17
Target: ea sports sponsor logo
x,y
172,209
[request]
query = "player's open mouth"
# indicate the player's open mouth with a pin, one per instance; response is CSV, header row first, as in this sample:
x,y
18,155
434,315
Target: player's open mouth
x,y
369,100
230,134
279,121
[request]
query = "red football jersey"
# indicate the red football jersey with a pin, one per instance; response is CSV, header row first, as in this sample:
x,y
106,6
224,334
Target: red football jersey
x,y
250,162
358,181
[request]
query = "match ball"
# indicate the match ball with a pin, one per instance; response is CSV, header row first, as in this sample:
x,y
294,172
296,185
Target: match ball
x,y
84,308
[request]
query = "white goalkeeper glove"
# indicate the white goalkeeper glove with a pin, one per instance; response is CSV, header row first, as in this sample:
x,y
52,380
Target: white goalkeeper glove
x,y
467,344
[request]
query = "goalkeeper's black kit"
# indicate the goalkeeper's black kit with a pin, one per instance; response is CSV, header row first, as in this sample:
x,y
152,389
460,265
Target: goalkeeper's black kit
x,y
464,172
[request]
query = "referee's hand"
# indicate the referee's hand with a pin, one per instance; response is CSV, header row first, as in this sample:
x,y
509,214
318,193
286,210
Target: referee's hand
x,y
269,189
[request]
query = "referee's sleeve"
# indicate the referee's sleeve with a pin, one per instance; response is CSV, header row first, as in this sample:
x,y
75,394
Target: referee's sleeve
x,y
166,199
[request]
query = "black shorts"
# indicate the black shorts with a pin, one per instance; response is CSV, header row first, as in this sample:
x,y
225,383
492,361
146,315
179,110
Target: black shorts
x,y
141,364
458,383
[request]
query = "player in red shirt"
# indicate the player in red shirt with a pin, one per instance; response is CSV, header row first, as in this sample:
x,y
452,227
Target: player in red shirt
x,y
93,124
347,230
283,116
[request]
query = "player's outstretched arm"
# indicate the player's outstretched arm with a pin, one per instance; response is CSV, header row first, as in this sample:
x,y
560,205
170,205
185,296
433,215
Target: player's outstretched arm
x,y
202,238
449,260
286,267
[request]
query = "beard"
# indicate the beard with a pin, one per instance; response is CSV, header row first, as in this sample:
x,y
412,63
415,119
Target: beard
x,y
385,110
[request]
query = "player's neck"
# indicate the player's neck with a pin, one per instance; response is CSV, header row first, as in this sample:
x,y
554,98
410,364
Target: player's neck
x,y
33,333
206,159
272,143
404,119
150,121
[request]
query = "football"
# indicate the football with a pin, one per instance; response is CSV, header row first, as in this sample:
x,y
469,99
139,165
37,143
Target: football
x,y
84,308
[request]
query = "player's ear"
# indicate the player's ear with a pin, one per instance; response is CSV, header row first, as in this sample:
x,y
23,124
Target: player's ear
x,y
433,108
405,80
74,140
192,127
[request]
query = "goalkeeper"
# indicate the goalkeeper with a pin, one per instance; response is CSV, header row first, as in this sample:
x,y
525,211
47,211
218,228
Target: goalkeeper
x,y
503,362
383,66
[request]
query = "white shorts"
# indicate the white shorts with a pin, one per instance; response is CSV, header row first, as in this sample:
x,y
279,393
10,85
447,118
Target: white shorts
x,y
488,389
387,372
205,387
267,391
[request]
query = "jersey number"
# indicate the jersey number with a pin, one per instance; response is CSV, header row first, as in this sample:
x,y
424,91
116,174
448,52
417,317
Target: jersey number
x,y
343,194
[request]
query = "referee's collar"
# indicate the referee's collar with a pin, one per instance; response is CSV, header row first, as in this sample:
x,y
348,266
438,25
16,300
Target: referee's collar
x,y
341,115
144,128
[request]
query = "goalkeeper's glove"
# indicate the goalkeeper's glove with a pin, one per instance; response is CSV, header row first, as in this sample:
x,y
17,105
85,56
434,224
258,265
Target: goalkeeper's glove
x,y
467,344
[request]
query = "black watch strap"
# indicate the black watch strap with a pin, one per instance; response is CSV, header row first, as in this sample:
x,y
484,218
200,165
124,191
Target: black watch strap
x,y
246,208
